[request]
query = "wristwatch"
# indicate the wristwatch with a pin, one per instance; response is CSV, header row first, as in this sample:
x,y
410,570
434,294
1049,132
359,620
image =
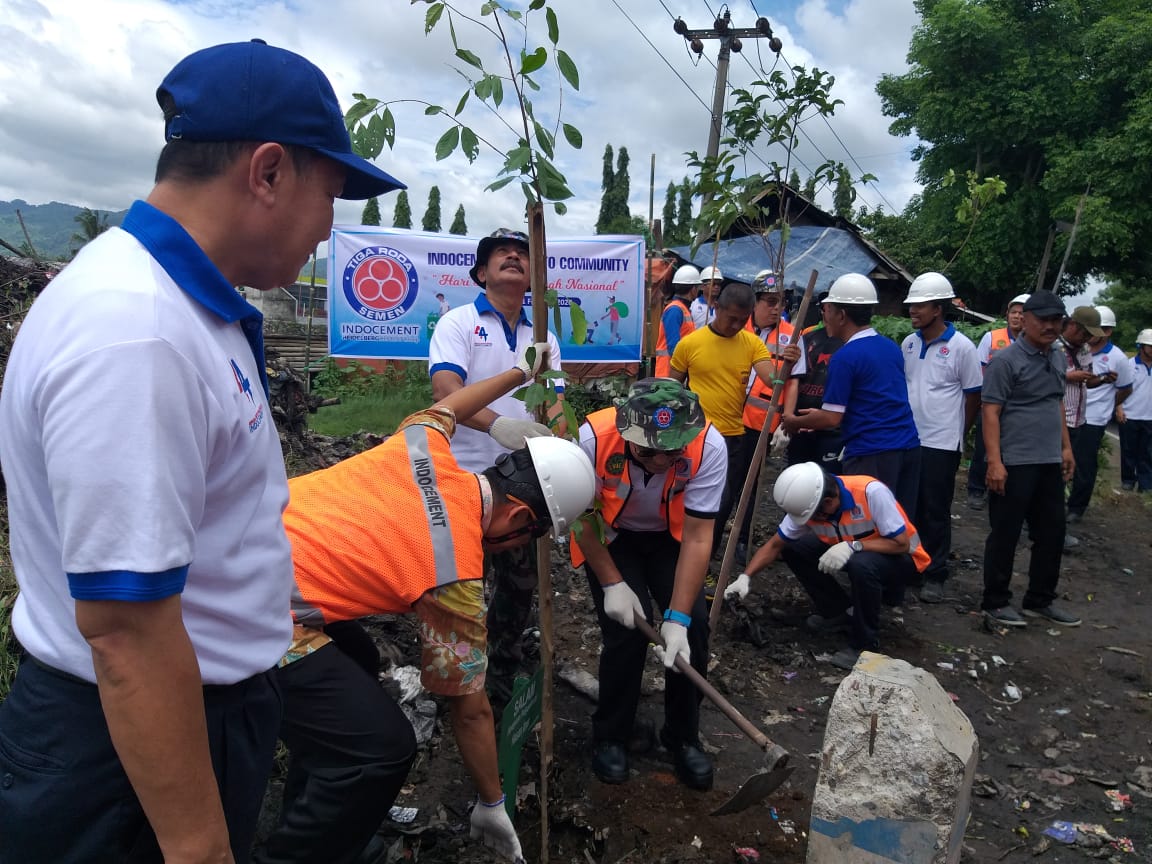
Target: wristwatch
x,y
857,546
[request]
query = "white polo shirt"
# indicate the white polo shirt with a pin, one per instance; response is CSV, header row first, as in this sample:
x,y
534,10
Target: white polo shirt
x,y
881,504
1101,401
141,457
1138,406
475,342
644,510
938,374
701,313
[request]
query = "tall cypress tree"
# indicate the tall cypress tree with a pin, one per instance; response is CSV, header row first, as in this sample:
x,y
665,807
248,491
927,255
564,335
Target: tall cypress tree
x,y
621,189
684,213
670,231
459,226
844,196
810,188
431,220
607,182
794,180
402,216
371,212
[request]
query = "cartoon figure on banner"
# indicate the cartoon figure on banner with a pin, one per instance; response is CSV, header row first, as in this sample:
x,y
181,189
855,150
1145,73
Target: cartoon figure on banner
x,y
615,312
380,283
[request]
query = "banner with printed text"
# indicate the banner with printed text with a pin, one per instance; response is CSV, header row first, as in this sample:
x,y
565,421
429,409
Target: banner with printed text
x,y
388,287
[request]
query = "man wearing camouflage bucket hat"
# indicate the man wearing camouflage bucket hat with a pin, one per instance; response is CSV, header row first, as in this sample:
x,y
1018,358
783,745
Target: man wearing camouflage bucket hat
x,y
660,469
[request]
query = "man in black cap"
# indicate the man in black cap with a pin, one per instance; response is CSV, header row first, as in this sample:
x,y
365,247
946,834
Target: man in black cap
x,y
484,338
146,482
1029,461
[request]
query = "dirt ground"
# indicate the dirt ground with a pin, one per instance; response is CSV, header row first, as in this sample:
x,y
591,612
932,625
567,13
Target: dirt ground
x,y
1082,724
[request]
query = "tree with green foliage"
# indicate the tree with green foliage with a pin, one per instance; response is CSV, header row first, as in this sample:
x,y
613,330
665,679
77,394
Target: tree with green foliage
x,y
402,215
431,220
459,226
794,180
1053,98
669,217
607,182
615,218
371,213
92,224
684,218
844,195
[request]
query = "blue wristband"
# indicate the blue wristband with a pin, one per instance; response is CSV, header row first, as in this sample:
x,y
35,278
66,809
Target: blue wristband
x,y
677,617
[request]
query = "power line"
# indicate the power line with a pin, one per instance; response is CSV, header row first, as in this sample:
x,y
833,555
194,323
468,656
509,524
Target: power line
x,y
661,56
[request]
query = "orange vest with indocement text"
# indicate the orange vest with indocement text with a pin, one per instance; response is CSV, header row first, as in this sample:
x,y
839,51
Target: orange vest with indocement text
x,y
375,532
663,355
1000,340
612,486
857,523
760,396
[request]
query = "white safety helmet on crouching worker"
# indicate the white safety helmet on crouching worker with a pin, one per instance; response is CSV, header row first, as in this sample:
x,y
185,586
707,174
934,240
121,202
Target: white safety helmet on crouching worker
x,y
799,490
1144,337
711,274
852,289
928,287
1107,316
566,479
686,275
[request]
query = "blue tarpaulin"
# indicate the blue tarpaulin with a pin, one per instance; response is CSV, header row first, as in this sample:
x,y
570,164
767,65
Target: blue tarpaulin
x,y
832,251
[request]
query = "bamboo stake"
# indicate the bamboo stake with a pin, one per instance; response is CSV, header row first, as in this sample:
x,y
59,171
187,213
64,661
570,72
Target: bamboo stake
x,y
754,470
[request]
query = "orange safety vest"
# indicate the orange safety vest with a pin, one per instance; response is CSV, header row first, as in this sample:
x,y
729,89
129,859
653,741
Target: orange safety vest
x,y
612,486
856,523
663,355
760,396
413,525
1001,339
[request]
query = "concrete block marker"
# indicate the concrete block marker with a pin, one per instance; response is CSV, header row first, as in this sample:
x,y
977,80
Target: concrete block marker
x,y
896,770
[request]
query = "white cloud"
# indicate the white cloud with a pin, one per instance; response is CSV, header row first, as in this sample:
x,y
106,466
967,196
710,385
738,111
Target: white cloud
x,y
80,123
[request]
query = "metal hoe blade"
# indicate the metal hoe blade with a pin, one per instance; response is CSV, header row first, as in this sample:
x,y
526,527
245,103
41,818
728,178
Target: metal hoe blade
x,y
754,790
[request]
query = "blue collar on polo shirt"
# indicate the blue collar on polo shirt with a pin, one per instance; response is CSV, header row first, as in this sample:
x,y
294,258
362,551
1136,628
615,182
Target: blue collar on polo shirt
x,y
847,502
1103,349
949,332
192,270
483,305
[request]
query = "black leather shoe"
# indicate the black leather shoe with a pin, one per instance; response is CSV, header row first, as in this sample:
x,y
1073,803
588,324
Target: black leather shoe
x,y
693,767
610,762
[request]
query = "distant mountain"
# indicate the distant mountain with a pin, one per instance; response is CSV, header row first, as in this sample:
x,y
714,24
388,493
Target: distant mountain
x,y
50,226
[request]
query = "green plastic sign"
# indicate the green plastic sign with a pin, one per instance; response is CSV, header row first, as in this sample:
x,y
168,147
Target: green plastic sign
x,y
520,718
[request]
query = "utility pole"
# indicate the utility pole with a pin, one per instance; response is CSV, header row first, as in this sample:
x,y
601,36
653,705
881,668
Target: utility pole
x,y
729,37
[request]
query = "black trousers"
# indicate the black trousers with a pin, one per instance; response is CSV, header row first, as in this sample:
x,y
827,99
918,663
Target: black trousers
x,y
821,447
747,455
1136,454
876,579
979,465
933,518
64,796
1034,493
734,482
1086,451
647,561
513,590
351,747
899,470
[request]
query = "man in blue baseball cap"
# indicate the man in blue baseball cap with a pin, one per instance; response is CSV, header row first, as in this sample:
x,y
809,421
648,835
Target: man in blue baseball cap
x,y
146,482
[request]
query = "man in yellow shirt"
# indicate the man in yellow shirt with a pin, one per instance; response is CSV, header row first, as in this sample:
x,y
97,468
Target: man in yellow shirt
x,y
716,361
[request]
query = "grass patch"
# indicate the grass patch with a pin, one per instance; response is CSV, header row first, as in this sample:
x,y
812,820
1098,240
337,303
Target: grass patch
x,y
376,413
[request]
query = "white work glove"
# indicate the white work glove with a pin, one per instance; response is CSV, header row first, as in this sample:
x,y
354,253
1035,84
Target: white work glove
x,y
675,638
511,433
491,825
532,360
738,589
780,440
836,557
621,604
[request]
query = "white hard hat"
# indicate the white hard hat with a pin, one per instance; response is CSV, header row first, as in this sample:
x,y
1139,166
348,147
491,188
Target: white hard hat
x,y
929,286
798,490
711,274
765,280
1107,316
1019,298
852,289
566,479
686,275
1144,337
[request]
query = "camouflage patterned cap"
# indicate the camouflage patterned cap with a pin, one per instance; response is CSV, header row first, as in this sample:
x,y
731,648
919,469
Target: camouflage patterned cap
x,y
660,413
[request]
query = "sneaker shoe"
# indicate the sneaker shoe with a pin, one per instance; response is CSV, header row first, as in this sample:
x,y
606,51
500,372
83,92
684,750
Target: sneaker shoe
x,y
1005,616
932,592
1073,517
1070,542
610,762
835,624
1128,487
693,767
710,587
845,659
1054,614
976,501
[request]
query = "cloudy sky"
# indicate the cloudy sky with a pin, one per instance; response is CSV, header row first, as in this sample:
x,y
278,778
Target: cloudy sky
x,y
79,122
